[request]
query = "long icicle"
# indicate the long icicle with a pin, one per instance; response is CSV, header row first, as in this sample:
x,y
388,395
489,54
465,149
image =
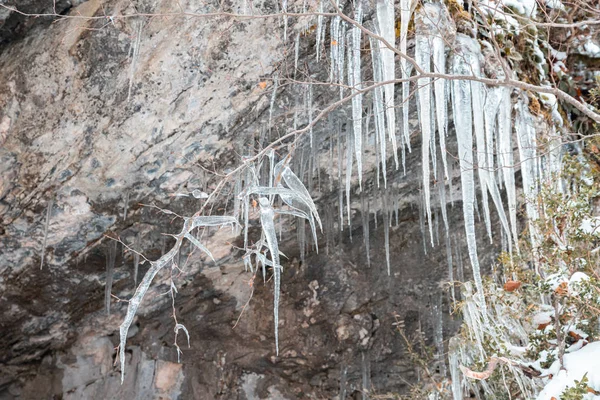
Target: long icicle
x,y
386,22
354,79
378,110
462,103
505,159
423,58
406,7
492,103
478,126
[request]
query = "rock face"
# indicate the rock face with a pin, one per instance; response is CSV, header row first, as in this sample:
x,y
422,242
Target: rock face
x,y
103,117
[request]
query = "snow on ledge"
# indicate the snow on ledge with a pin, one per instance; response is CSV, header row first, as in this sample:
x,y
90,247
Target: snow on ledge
x,y
577,364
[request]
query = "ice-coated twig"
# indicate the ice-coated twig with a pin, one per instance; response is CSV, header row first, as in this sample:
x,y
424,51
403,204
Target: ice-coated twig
x,y
155,267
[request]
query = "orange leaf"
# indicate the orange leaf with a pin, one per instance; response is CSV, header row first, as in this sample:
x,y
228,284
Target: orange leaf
x,y
543,326
575,335
511,286
562,289
334,43
262,85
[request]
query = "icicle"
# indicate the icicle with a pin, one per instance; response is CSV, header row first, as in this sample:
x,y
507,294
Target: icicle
x,y
136,257
466,50
422,222
406,9
340,186
386,227
301,234
478,126
436,221
366,374
285,19
460,269
492,103
396,209
340,61
110,266
378,110
364,212
125,206
423,58
386,25
505,158
450,270
320,30
343,383
438,334
267,216
335,48
296,52
46,225
441,98
348,175
453,348
310,112
442,197
526,139
354,80
237,189
273,97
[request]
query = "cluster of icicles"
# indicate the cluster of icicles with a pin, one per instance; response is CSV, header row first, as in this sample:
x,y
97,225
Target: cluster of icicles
x,y
482,115
482,119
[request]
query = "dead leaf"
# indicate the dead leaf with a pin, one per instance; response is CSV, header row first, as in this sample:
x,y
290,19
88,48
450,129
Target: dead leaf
x,y
511,286
562,289
262,85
